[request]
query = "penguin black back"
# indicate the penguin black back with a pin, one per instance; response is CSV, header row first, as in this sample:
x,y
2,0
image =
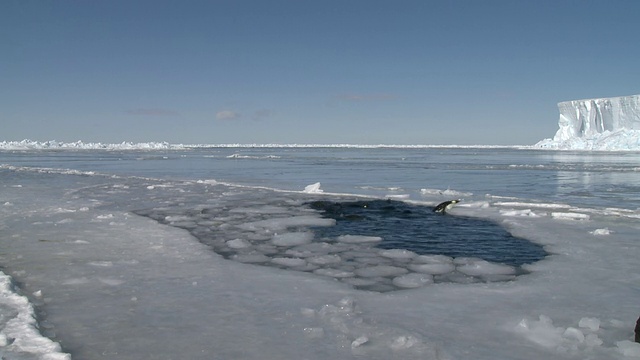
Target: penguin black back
x,y
443,207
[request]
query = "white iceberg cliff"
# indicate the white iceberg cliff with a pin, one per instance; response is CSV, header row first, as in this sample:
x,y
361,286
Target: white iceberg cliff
x,y
597,124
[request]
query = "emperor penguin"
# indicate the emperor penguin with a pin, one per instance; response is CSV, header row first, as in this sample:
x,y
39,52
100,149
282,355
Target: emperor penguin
x,y
442,208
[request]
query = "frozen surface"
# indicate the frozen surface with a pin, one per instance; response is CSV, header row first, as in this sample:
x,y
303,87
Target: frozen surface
x,y
105,282
597,124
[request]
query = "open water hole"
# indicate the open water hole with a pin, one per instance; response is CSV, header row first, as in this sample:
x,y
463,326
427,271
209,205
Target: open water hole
x,y
376,245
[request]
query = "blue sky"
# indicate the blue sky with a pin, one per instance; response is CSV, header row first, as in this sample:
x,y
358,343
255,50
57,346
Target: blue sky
x,y
349,71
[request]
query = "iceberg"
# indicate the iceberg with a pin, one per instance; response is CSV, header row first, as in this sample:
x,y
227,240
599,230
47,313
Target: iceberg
x,y
597,124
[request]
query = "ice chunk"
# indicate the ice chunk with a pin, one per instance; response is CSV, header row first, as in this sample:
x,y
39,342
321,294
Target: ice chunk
x,y
334,273
398,254
433,269
629,348
514,213
313,189
289,262
541,332
600,232
433,259
381,271
569,216
404,342
255,258
573,334
479,267
359,341
292,239
357,239
238,244
593,340
314,332
278,224
325,259
592,324
412,280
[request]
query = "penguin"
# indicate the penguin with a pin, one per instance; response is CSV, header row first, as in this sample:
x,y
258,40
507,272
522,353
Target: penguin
x,y
447,205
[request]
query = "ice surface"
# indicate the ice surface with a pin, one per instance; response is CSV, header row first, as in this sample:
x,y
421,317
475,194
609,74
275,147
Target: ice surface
x,y
19,333
81,145
107,283
597,124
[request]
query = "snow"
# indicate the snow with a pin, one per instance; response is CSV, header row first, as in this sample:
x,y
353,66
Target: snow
x,y
19,332
27,144
611,124
108,283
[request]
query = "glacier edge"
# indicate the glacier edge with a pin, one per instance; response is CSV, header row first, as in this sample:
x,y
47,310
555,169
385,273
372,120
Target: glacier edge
x,y
597,124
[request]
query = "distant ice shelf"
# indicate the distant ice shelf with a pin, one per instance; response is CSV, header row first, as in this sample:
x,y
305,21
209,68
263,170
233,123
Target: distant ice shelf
x,y
27,144
609,124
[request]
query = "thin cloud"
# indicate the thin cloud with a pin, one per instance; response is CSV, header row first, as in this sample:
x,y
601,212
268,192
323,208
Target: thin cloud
x,y
227,115
152,112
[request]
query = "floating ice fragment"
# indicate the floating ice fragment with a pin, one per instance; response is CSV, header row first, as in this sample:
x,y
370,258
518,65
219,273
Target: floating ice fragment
x,y
101,263
313,189
238,244
251,258
600,232
111,282
335,273
325,259
76,281
357,239
593,340
381,271
314,332
569,216
482,267
292,239
412,280
592,324
448,192
433,269
541,332
284,223
289,262
307,312
629,348
573,334
404,342
514,213
398,254
359,341
433,259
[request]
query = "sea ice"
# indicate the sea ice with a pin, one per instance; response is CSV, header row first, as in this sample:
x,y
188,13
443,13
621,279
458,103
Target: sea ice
x,y
290,262
479,267
600,232
380,271
313,189
292,239
356,239
412,280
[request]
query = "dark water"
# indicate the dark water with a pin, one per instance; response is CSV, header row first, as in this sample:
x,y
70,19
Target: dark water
x,y
419,229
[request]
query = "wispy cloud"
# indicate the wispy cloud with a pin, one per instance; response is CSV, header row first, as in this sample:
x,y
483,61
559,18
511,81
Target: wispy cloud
x,y
151,112
227,115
